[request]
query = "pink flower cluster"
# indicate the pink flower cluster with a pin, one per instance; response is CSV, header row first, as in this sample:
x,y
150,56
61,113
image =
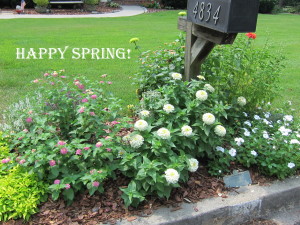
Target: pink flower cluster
x,y
7,160
52,163
64,151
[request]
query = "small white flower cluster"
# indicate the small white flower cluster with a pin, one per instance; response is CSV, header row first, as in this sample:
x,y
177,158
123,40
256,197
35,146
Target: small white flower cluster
x,y
201,95
295,141
144,113
186,131
248,123
208,118
220,131
254,153
239,141
193,165
220,149
141,125
241,101
172,176
136,141
176,76
209,88
164,133
168,108
201,77
247,132
288,118
266,135
256,117
285,131
291,165
232,152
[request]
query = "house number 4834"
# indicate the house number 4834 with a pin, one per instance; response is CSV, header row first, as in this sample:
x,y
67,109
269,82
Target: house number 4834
x,y
204,12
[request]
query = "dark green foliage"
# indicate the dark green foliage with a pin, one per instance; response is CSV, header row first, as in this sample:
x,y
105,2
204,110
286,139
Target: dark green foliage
x,y
266,6
176,4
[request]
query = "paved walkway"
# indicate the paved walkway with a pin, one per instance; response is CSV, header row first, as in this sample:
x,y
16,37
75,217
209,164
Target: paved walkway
x,y
126,10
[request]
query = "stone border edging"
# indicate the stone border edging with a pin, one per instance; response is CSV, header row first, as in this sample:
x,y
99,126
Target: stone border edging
x,y
251,202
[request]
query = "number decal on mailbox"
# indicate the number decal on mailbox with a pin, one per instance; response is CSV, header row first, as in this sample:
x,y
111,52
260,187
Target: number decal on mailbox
x,y
204,12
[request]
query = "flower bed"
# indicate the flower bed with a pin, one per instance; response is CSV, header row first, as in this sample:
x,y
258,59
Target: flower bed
x,y
74,137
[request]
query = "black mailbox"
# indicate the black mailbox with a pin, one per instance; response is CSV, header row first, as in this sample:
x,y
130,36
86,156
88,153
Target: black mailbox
x,y
226,16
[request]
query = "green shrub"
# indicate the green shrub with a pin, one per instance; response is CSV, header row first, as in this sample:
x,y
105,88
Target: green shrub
x,y
91,2
253,72
113,5
242,69
63,134
156,66
41,2
153,5
4,151
176,4
20,194
266,6
184,122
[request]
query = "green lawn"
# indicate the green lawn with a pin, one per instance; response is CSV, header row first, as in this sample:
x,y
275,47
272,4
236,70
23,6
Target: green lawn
x,y
152,29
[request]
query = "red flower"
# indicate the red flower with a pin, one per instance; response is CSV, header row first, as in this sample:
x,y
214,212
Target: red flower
x,y
251,35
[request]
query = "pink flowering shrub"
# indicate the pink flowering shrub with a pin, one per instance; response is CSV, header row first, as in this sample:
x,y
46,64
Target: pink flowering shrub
x,y
65,139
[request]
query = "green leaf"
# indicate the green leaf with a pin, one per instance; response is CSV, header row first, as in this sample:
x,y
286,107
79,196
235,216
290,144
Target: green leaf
x,y
69,194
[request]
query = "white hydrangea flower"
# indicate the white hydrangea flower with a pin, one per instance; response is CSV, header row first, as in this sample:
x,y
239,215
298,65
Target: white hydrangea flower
x,y
295,141
172,176
239,141
298,135
209,88
248,123
220,131
288,118
208,118
232,152
141,125
291,165
256,117
220,149
201,95
245,114
168,108
186,130
164,133
266,135
136,141
144,113
176,76
254,153
241,101
193,165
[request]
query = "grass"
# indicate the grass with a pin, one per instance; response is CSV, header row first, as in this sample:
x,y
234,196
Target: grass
x,y
152,29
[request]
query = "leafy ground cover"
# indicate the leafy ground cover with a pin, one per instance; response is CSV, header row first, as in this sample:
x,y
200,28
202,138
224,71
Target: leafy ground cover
x,y
114,33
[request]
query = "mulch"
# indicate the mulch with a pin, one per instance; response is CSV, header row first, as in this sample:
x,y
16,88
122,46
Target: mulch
x,y
109,206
